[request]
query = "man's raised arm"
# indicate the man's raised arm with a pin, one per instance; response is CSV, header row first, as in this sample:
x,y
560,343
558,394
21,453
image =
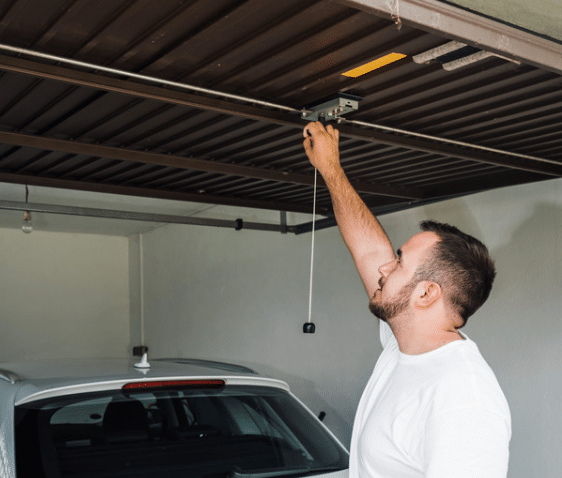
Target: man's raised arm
x,y
368,243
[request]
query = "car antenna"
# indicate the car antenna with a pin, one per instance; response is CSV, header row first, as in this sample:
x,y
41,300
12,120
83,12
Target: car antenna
x,y
143,364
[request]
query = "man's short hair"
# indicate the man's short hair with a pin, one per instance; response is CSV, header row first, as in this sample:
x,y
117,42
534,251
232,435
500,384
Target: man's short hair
x,y
461,265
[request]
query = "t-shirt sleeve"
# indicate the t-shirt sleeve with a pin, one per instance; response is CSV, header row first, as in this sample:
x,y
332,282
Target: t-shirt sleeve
x,y
466,443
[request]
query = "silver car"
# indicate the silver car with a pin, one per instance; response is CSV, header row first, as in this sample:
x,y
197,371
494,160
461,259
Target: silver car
x,y
168,418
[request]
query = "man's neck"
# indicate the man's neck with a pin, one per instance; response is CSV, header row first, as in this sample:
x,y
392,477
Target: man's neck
x,y
416,339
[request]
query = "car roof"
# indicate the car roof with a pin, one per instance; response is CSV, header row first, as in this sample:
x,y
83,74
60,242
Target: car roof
x,y
37,380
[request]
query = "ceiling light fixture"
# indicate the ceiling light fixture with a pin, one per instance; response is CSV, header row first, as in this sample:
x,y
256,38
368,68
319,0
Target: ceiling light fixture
x,y
443,53
442,50
373,65
26,225
468,60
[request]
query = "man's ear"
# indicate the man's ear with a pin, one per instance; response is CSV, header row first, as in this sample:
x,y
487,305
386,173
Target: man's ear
x,y
426,294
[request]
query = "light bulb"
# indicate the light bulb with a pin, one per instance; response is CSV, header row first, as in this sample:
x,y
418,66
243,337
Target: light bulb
x,y
26,225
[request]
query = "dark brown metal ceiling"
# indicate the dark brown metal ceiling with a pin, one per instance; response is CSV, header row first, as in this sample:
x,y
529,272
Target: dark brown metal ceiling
x,y
75,127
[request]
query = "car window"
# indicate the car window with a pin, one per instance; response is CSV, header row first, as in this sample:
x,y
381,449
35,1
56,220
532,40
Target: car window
x,y
235,432
86,412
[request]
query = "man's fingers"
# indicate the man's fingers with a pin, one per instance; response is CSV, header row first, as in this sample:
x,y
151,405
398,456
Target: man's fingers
x,y
307,143
312,128
317,130
333,132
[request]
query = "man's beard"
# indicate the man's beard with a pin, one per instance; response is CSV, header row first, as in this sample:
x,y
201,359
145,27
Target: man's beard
x,y
396,305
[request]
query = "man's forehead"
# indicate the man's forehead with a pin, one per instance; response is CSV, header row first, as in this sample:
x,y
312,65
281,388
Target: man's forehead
x,y
418,242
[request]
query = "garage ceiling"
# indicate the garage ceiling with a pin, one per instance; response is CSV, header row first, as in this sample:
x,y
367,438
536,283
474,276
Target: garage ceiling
x,y
83,105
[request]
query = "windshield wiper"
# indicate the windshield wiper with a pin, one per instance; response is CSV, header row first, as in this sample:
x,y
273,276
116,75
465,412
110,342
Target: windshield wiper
x,y
296,472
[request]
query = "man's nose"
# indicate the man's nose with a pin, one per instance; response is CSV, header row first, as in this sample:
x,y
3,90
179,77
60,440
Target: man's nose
x,y
387,268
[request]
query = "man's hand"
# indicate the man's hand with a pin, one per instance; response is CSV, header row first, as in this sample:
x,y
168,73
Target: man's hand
x,y
321,147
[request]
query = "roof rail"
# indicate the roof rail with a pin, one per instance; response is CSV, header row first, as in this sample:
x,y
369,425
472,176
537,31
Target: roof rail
x,y
230,367
9,376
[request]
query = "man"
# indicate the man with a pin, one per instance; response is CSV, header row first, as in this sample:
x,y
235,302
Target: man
x,y
433,407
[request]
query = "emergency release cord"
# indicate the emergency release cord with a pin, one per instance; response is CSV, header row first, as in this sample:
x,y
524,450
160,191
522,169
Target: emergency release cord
x,y
309,327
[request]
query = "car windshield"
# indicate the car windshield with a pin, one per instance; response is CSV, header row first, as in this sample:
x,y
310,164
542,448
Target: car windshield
x,y
233,432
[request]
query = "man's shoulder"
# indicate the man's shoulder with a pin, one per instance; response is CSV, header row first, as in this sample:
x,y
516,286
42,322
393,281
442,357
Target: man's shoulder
x,y
465,380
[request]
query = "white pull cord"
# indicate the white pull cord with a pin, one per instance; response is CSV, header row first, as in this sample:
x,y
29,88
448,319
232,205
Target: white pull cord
x,y
309,327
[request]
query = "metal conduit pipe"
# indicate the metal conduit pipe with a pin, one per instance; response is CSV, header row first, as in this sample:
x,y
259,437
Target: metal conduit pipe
x,y
452,142
237,224
151,79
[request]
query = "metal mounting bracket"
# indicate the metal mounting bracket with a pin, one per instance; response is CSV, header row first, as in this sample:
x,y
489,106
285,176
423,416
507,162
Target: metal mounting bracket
x,y
332,109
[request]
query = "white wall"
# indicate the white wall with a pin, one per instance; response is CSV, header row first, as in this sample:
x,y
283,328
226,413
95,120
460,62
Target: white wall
x,y
63,295
243,296
542,16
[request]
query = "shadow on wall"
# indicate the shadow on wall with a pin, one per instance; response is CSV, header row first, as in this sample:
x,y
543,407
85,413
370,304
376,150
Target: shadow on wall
x,y
519,333
461,216
529,279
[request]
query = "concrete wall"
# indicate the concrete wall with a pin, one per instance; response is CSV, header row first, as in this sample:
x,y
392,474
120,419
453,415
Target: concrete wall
x,y
63,295
243,296
541,16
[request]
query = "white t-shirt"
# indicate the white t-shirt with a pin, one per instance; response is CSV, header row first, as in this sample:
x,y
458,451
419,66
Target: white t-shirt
x,y
441,414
